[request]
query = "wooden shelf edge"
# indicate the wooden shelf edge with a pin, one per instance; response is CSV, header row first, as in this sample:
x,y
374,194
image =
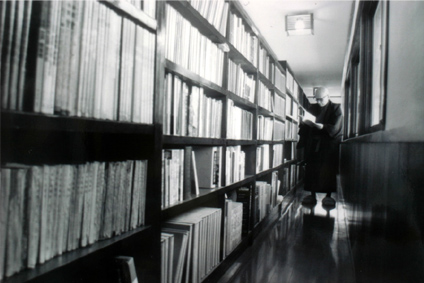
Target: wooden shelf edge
x,y
264,111
237,57
231,142
71,256
14,120
134,12
193,77
203,196
266,81
197,20
238,184
280,92
184,140
268,171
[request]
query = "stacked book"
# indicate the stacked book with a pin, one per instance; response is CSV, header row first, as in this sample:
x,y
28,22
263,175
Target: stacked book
x,y
290,82
289,106
189,111
195,249
240,82
244,195
265,128
243,40
264,199
262,158
265,97
233,225
264,62
172,177
277,154
215,12
235,159
47,210
279,130
280,80
239,122
279,105
275,189
63,77
187,47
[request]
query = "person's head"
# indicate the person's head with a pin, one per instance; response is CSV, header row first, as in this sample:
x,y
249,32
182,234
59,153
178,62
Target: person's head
x,y
322,96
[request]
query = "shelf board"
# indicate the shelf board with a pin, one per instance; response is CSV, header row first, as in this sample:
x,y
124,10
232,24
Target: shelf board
x,y
279,92
248,179
289,162
34,121
267,82
241,142
197,20
237,57
188,204
266,172
264,111
177,140
203,196
193,77
281,118
240,101
71,256
260,142
292,118
134,12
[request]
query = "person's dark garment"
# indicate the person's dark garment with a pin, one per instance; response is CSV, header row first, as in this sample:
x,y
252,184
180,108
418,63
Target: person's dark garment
x,y
321,148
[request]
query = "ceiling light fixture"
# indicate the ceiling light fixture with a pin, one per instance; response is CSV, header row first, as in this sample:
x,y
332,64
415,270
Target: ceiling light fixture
x,y
300,24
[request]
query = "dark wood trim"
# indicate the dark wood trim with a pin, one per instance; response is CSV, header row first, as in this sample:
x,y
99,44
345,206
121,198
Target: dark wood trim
x,y
14,120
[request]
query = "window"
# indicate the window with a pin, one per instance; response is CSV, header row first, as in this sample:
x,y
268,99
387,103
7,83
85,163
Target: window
x,y
365,80
378,65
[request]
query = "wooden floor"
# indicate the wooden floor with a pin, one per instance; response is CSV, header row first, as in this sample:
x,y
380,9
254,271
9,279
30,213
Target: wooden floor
x,y
307,244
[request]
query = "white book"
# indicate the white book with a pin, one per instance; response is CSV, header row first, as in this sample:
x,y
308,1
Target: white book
x,y
15,226
100,62
6,179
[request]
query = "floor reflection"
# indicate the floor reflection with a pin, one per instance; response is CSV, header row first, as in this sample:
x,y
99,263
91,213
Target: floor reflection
x,y
308,244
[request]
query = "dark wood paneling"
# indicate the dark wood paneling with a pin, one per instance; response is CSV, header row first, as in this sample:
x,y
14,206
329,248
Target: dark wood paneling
x,y
383,185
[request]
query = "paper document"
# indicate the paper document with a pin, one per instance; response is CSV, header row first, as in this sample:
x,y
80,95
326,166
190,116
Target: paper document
x,y
308,116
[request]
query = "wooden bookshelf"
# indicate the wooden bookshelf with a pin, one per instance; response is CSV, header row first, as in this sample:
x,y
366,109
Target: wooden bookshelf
x,y
55,138
14,120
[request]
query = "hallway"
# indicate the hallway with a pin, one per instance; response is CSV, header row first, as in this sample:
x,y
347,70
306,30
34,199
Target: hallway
x,y
304,245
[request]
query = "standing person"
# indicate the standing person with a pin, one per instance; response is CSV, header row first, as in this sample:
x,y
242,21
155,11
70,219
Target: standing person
x,y
320,140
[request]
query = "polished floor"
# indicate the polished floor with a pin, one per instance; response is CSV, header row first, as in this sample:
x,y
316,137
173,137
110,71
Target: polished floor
x,y
307,244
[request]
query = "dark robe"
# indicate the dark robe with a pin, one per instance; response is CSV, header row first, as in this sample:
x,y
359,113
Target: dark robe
x,y
321,148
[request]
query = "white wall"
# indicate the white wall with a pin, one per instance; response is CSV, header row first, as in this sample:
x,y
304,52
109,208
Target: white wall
x,y
405,80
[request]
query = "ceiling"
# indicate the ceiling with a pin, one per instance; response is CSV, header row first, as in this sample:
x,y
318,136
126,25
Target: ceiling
x,y
316,60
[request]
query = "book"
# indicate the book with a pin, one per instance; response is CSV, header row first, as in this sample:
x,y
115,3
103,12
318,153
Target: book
x,y
181,238
6,180
126,269
208,161
308,117
168,254
233,225
205,230
189,229
188,173
195,185
15,238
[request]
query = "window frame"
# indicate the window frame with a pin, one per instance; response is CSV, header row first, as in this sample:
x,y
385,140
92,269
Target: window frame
x,y
358,84
367,76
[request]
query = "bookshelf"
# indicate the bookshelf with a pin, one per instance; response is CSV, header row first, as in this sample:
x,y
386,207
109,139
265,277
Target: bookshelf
x,y
223,97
